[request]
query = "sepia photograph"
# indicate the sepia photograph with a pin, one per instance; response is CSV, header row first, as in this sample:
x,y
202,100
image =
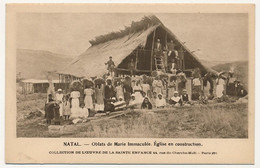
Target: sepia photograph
x,y
130,84
132,75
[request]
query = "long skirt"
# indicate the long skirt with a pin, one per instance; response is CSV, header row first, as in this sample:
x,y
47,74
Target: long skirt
x,y
61,109
219,90
138,97
75,103
88,102
74,106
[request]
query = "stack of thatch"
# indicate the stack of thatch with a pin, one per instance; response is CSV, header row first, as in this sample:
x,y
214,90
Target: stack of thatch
x,y
137,26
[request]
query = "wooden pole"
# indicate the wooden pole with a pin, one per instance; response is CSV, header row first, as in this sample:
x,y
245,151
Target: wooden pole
x,y
165,40
151,68
166,54
183,60
136,59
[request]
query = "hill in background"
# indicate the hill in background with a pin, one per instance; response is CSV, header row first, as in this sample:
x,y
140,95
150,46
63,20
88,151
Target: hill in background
x,y
240,70
34,64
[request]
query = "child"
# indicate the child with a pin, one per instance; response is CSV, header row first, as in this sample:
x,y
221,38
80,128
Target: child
x,y
146,104
67,111
84,111
160,101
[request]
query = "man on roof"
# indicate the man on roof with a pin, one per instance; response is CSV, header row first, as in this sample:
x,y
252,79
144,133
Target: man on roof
x,y
110,66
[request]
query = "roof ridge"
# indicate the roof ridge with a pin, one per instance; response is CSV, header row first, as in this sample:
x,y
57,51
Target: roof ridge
x,y
136,26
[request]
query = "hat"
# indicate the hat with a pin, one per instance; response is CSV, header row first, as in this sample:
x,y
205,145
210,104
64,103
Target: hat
x,y
184,90
159,94
175,92
132,95
59,90
113,98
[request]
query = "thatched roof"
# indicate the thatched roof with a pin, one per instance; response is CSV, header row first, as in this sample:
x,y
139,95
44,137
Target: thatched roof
x,y
143,24
92,61
119,45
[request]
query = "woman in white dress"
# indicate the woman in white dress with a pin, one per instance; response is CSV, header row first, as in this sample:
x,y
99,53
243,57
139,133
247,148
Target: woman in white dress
x,y
74,102
138,92
59,98
99,92
88,92
157,85
220,87
119,91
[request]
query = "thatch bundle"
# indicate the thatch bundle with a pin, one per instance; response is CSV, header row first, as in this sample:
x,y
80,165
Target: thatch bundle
x,y
75,85
88,83
99,81
137,26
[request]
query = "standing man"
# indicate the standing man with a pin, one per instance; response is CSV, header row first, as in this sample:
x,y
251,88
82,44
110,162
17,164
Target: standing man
x,y
158,48
132,68
158,45
170,47
110,66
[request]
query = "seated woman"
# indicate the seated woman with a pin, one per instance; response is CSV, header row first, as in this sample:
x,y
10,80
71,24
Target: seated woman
x,y
160,101
120,104
146,104
185,98
175,99
82,112
109,106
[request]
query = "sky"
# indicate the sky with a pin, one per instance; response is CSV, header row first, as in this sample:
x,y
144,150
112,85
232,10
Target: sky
x,y
213,37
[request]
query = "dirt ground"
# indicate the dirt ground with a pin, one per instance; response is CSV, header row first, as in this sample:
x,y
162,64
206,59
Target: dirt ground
x,y
217,120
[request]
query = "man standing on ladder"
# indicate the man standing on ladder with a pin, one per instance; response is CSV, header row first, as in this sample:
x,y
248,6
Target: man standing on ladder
x,y
158,56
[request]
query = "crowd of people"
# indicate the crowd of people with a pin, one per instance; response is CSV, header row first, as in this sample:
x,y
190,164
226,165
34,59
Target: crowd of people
x,y
111,93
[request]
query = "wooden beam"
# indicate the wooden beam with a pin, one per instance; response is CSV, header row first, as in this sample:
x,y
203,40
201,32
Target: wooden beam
x,y
151,68
121,69
136,58
166,39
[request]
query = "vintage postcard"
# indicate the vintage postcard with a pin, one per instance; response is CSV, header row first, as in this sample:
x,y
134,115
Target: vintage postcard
x,y
130,83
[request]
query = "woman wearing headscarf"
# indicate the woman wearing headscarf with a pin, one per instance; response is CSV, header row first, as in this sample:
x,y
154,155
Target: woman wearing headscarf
x,y
175,100
146,104
160,101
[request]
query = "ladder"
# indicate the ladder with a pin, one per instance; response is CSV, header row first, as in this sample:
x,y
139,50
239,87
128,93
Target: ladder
x,y
159,64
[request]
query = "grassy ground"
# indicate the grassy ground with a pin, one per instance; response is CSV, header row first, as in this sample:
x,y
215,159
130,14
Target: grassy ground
x,y
223,120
